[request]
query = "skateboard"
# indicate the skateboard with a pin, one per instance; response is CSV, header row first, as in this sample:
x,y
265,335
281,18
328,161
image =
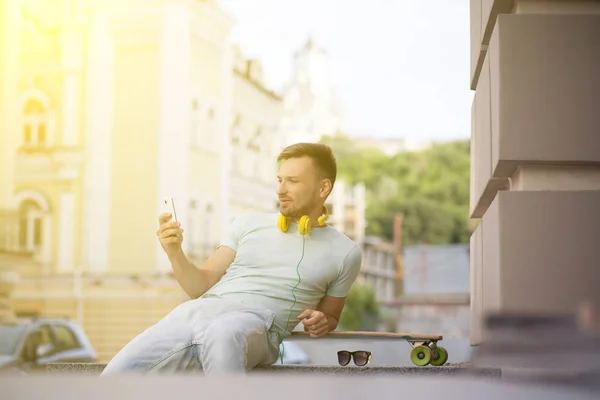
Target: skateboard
x,y
425,350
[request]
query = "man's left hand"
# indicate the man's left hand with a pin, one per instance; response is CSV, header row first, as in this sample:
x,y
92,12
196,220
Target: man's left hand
x,y
315,322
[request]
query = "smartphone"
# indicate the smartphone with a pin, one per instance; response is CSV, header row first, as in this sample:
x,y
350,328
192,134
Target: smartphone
x,y
169,207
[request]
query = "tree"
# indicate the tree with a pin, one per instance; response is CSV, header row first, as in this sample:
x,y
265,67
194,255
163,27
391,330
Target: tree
x,y
430,187
361,310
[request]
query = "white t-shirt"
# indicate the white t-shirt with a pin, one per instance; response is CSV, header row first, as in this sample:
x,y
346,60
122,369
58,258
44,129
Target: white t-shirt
x,y
270,263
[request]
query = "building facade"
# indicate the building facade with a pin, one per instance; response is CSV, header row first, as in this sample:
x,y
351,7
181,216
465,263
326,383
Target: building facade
x,y
535,181
310,105
108,108
256,138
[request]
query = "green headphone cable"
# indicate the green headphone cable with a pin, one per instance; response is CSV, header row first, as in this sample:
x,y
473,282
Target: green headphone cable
x,y
294,303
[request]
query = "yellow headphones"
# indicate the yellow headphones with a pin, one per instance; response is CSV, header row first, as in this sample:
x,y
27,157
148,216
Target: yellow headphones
x,y
304,225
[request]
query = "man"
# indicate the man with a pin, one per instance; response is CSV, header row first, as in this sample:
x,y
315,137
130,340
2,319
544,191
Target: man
x,y
263,279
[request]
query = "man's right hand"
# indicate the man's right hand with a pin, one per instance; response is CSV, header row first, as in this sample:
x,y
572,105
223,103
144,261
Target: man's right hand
x,y
169,234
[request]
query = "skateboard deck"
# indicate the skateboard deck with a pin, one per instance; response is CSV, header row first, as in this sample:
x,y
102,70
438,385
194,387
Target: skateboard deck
x,y
377,335
424,347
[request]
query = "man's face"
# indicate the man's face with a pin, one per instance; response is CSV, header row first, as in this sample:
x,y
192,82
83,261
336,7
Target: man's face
x,y
300,189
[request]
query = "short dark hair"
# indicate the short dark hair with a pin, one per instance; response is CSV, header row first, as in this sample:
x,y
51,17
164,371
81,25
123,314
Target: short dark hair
x,y
321,154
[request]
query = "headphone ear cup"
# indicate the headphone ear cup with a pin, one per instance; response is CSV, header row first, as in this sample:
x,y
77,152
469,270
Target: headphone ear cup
x,y
322,220
283,223
324,217
304,225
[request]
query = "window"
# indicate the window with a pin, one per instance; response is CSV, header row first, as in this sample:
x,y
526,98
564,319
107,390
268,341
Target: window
x,y
255,142
65,338
46,335
199,240
236,139
43,336
30,226
211,123
194,125
35,124
236,130
207,239
203,125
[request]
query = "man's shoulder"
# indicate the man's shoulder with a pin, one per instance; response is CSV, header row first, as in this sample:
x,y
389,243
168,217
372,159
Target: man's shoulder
x,y
340,237
341,241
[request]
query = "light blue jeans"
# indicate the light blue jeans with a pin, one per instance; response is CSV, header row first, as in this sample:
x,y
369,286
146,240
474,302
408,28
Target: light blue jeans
x,y
216,336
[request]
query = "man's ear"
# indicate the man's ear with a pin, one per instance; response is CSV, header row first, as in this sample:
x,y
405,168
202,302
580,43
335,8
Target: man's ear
x,y
325,188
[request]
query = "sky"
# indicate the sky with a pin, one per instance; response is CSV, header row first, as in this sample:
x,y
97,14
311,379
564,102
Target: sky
x,y
400,68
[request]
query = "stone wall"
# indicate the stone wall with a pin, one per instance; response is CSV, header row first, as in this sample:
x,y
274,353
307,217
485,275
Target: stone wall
x,y
8,280
535,148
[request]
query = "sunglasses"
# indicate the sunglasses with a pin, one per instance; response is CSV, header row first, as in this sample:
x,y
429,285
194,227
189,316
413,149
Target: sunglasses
x,y
361,358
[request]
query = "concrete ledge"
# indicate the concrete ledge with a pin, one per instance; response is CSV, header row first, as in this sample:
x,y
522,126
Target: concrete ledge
x,y
88,368
291,387
93,368
334,370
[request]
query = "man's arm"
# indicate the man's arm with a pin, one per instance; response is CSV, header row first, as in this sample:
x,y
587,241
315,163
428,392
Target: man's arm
x,y
332,307
196,281
329,310
325,318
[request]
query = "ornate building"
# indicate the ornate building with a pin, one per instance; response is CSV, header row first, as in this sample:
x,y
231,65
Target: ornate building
x,y
108,107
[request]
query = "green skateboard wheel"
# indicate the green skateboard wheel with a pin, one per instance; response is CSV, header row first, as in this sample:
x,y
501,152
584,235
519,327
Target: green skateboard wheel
x,y
440,358
420,355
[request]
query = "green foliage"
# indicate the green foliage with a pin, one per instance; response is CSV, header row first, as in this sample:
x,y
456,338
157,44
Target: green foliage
x,y
430,187
361,308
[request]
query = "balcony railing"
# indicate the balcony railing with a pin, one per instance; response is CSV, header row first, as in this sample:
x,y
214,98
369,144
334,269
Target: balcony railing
x,y
58,161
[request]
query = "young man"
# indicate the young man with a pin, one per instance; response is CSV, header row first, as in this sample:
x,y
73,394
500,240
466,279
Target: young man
x,y
271,272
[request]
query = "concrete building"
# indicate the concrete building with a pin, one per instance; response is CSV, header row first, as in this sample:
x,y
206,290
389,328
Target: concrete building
x,y
310,105
254,142
256,139
535,175
107,108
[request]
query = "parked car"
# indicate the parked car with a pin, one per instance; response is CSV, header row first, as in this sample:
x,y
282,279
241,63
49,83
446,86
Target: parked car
x,y
27,345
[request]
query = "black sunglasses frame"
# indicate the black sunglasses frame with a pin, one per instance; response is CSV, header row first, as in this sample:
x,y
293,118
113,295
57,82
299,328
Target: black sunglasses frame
x,y
352,357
